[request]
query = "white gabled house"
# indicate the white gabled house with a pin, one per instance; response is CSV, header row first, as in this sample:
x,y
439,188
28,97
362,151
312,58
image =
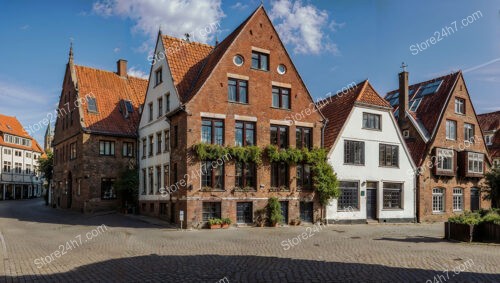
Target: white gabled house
x,y
367,151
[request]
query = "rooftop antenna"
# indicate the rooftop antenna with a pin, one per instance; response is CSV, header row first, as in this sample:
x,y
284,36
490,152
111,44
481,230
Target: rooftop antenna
x,y
403,66
187,36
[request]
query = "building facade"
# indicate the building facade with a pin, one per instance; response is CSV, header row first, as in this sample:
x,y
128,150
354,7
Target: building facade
x,y
441,130
369,156
95,135
19,153
48,138
490,124
241,92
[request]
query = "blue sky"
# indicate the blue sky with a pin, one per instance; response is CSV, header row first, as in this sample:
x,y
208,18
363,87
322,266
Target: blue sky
x,y
332,43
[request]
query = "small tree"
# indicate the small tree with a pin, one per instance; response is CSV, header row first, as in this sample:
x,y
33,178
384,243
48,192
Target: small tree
x,y
493,187
326,183
274,208
46,168
127,186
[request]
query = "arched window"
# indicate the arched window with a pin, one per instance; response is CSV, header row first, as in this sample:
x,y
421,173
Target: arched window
x,y
458,199
437,200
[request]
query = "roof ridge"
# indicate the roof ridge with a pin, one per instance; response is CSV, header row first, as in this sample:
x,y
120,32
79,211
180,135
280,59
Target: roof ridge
x,y
360,94
101,70
187,42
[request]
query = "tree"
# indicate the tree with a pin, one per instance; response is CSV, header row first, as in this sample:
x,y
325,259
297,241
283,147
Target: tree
x,y
46,167
326,183
127,186
493,187
274,208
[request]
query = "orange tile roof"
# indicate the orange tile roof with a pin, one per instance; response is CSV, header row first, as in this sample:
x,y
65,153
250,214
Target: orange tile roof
x,y
491,122
110,89
10,125
337,108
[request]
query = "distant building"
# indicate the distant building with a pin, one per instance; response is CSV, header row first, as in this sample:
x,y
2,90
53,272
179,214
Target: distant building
x,y
369,155
490,124
19,155
48,138
95,135
441,130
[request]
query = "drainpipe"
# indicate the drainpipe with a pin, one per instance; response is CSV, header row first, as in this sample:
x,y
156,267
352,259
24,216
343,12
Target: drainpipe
x,y
415,176
323,145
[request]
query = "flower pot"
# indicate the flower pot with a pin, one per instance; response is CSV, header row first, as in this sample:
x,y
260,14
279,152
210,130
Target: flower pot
x,y
225,226
215,226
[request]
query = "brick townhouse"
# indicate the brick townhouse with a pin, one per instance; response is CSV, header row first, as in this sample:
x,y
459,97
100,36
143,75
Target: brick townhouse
x,y
19,155
240,92
490,124
441,129
95,135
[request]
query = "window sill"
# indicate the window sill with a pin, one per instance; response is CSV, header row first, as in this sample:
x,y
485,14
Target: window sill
x,y
370,129
393,167
392,209
352,210
278,108
352,164
439,212
207,189
283,189
239,103
262,70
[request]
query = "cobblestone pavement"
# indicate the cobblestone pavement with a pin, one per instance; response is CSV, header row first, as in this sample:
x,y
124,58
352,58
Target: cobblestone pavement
x,y
129,250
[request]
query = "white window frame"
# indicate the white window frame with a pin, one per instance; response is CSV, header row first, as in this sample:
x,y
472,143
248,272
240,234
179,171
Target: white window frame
x,y
448,130
445,153
477,161
460,106
458,199
469,131
438,194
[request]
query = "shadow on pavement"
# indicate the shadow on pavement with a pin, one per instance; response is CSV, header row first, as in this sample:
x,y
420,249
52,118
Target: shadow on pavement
x,y
416,239
212,268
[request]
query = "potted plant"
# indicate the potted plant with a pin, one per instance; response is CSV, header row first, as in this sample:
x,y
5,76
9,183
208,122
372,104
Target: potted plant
x,y
215,223
274,208
260,217
226,222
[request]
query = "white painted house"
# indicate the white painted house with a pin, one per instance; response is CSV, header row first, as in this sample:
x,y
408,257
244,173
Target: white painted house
x,y
154,133
370,157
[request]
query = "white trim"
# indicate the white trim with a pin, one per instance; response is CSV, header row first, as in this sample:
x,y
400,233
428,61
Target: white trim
x,y
212,115
417,126
281,84
245,118
281,122
261,50
236,76
304,124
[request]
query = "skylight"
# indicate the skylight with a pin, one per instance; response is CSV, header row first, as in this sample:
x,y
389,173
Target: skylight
x,y
429,88
415,104
129,106
92,105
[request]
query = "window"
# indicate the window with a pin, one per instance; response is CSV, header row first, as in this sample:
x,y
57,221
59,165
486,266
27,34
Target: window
x,y
212,175
91,104
211,210
279,175
150,111
237,90
279,136
144,148
260,61
160,107
245,175
488,139
437,200
371,121
392,195
174,139
158,143
151,146
107,148
281,69
144,182
303,137
7,166
304,177
458,199
388,155
18,153
28,154
28,169
166,176
281,97
7,151
128,149
167,140
151,181
158,77
459,106
445,159
72,150
175,173
451,130
107,189
158,178
245,133
354,152
128,106
414,104
212,131
469,132
476,162
349,196
238,60
167,102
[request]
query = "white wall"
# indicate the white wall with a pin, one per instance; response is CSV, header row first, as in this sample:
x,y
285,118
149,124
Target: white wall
x,y
158,124
371,171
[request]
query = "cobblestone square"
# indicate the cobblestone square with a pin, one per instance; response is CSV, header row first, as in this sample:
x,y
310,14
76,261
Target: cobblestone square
x,y
126,249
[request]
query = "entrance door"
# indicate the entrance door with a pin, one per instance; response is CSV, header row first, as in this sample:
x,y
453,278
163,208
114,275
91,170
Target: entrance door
x,y
70,189
474,199
371,200
284,211
244,212
306,211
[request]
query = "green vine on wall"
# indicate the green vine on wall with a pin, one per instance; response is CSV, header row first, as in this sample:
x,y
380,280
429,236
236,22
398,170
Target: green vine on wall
x,y
240,153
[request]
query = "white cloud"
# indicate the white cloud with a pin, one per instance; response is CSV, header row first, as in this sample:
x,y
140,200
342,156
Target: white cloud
x,y
303,26
239,6
175,17
116,50
134,72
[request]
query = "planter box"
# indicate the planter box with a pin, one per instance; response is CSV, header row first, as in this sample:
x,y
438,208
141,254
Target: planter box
x,y
215,226
225,226
489,232
460,232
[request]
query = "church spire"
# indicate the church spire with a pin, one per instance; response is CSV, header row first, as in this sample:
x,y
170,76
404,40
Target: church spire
x,y
71,52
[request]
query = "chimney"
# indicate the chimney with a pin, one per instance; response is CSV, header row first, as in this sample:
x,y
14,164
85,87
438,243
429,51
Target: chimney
x,y
403,96
121,67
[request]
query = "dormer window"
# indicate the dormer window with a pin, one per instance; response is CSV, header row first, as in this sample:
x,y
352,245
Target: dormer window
x,y
158,77
92,104
126,108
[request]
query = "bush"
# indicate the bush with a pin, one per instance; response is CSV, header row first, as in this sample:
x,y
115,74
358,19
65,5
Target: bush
x,y
471,218
226,221
214,221
274,208
492,217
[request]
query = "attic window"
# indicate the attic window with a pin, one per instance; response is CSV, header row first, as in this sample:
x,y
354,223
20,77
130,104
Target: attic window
x,y
92,104
415,104
429,88
128,106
